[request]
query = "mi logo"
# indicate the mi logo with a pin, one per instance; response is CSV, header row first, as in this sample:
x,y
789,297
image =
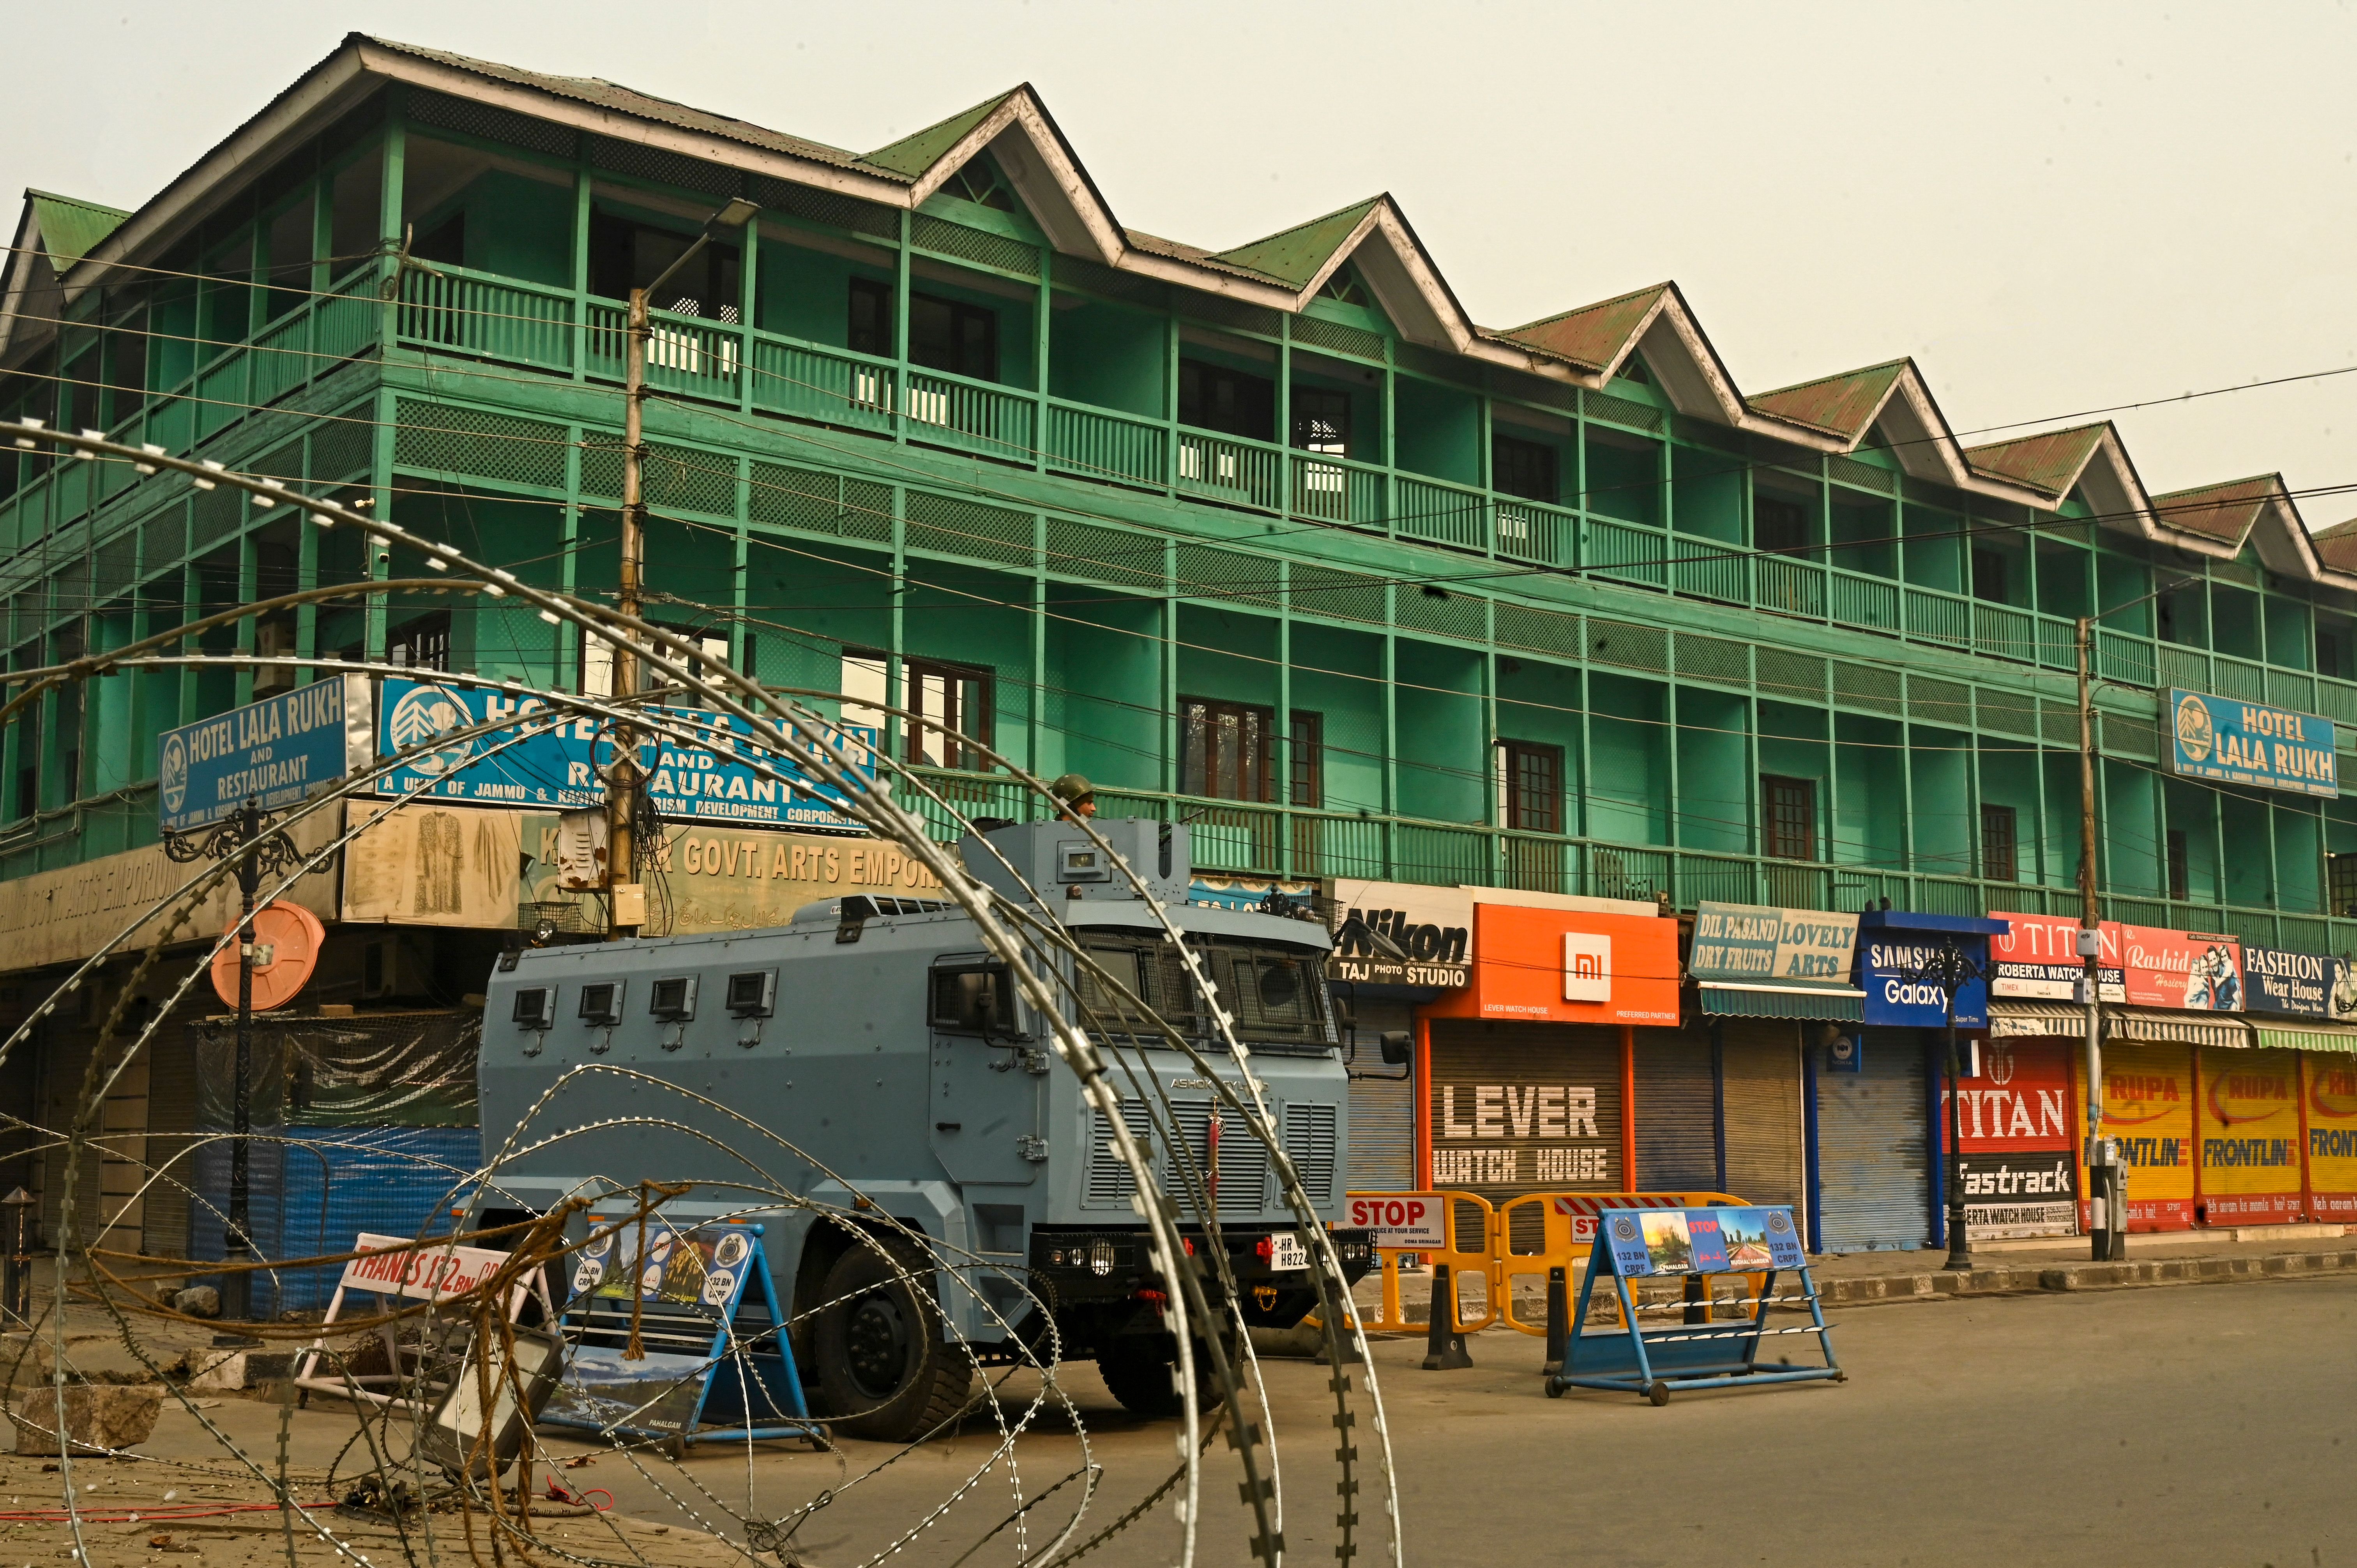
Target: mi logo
x,y
1587,967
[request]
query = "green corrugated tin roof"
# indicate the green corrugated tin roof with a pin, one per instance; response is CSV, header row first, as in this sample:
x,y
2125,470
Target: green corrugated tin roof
x,y
1593,335
1840,405
72,229
2225,512
913,155
607,94
1296,255
2051,462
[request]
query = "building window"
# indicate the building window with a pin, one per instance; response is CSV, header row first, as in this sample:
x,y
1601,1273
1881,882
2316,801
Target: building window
x,y
624,255
1529,786
1234,402
871,317
1789,817
2329,655
1322,421
949,699
1308,760
1778,525
1227,751
2000,844
1989,577
420,644
2179,877
2340,884
943,334
1525,468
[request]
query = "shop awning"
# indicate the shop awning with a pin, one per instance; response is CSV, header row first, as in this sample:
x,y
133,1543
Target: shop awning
x,y
1834,1003
2284,1035
2009,1020
2166,1026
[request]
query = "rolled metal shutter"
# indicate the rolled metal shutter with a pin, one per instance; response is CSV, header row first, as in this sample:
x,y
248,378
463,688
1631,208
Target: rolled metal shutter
x,y
1873,1146
1381,1156
1517,1062
1676,1113
1760,1095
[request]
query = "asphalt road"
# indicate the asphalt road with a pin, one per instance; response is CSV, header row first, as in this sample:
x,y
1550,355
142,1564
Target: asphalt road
x,y
2204,1424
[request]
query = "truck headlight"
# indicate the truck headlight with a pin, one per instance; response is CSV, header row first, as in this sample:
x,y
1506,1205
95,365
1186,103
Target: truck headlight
x,y
1099,1256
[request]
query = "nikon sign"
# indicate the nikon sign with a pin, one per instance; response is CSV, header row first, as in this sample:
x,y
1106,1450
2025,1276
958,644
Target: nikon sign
x,y
1405,933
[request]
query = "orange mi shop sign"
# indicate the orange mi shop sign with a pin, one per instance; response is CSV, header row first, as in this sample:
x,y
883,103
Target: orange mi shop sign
x,y
1568,966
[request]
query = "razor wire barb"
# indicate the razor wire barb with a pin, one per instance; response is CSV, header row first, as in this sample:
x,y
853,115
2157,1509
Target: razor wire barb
x,y
1039,953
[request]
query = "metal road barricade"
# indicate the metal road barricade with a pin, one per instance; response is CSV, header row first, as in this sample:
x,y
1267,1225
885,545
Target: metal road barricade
x,y
1496,1244
1448,1229
1543,1230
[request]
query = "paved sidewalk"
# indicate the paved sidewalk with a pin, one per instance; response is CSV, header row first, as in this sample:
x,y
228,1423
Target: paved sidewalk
x,y
1859,1279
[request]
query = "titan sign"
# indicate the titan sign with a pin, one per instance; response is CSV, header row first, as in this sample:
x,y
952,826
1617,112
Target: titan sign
x,y
2249,743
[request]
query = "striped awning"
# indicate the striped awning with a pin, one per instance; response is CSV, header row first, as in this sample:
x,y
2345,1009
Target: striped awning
x,y
2166,1026
2283,1035
2009,1020
1834,1003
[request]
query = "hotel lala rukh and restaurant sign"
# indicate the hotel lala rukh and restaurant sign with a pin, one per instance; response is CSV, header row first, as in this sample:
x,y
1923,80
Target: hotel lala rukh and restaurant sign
x,y
2243,1135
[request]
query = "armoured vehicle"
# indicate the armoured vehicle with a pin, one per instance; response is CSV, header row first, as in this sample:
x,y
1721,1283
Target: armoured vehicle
x,y
879,1038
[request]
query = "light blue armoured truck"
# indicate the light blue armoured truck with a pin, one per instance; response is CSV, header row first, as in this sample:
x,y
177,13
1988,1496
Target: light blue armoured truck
x,y
878,1039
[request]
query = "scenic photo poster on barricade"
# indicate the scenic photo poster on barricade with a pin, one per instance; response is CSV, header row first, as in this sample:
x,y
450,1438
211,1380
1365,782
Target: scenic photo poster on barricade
x,y
1733,1240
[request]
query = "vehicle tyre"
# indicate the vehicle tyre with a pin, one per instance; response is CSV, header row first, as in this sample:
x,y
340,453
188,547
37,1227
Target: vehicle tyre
x,y
883,1365
1138,1370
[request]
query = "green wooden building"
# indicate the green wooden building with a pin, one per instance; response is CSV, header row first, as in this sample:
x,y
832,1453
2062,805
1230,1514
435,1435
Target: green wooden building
x,y
1275,537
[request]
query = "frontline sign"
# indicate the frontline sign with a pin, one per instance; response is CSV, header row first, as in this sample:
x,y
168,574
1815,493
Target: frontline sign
x,y
274,753
2249,743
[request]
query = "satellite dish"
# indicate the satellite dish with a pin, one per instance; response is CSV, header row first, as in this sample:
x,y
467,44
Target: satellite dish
x,y
287,939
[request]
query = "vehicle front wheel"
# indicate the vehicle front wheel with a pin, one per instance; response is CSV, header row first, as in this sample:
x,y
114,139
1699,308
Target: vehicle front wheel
x,y
1138,1370
883,1365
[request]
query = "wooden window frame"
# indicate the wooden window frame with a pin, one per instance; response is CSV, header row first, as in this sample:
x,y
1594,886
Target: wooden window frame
x,y
1778,836
1530,774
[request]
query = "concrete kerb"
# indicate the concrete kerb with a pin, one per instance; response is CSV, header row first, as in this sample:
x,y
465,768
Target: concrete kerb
x,y
2030,1279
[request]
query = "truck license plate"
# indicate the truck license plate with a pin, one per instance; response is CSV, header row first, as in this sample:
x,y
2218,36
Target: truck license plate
x,y
1285,1252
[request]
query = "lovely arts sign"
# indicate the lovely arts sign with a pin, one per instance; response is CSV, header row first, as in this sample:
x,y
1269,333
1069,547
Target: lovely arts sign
x,y
1752,944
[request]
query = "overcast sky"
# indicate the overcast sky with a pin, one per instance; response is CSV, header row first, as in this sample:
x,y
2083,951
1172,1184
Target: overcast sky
x,y
2053,208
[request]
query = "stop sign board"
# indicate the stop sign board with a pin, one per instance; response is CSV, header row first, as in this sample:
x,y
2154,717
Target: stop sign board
x,y
1410,1221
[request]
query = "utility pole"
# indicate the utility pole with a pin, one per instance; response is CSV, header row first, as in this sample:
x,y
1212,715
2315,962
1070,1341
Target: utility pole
x,y
2107,1234
624,898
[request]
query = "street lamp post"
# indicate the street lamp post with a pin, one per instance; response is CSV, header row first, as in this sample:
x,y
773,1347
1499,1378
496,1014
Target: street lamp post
x,y
1951,969
259,854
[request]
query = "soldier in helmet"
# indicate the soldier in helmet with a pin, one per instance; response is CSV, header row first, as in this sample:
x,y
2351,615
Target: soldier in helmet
x,y
1075,797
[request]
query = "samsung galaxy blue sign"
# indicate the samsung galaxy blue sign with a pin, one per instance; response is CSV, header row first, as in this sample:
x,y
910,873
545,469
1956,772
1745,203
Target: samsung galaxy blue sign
x,y
1895,949
2221,739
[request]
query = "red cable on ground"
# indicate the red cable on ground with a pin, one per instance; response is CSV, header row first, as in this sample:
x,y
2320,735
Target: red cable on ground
x,y
558,1494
